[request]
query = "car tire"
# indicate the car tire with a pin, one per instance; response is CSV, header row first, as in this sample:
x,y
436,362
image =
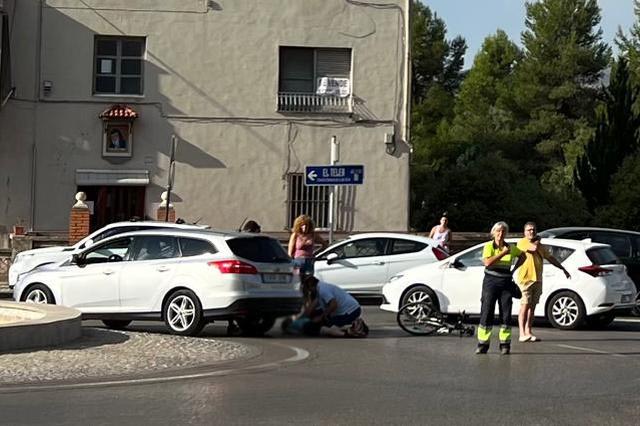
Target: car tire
x,y
182,313
39,294
256,325
635,311
419,294
116,324
601,320
565,311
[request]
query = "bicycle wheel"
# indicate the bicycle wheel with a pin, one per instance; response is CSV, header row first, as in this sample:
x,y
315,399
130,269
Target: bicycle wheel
x,y
419,319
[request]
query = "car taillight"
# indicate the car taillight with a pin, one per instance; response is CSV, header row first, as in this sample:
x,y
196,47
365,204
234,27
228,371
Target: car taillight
x,y
439,253
233,267
595,270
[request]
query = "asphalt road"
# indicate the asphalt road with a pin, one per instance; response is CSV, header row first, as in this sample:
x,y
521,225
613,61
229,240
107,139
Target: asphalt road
x,y
579,377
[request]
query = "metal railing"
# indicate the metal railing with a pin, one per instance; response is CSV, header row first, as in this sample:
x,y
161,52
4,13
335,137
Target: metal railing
x,y
309,102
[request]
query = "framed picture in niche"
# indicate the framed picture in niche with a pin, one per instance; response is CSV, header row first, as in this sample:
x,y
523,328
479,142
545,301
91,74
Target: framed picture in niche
x,y
117,139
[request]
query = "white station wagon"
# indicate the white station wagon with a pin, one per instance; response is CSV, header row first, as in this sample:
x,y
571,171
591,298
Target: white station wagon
x,y
27,260
598,289
185,278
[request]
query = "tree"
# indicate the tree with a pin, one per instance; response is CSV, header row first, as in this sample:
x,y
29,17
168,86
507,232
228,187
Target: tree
x,y
616,137
483,110
557,83
624,210
437,73
629,45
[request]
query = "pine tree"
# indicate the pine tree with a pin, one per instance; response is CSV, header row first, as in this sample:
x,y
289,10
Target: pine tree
x,y
616,137
629,45
557,86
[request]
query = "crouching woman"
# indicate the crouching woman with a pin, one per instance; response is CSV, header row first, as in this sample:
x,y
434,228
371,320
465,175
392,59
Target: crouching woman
x,y
333,309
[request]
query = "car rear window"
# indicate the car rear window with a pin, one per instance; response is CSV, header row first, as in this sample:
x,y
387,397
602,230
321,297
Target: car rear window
x,y
602,256
258,249
195,247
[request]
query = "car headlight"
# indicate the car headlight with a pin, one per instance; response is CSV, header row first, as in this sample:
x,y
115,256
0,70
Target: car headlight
x,y
395,277
21,257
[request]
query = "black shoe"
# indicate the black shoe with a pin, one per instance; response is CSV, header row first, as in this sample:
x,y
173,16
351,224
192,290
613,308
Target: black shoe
x,y
505,349
482,349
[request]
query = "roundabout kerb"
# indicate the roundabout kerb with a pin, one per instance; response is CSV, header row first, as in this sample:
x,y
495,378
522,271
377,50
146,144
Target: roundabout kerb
x,y
32,326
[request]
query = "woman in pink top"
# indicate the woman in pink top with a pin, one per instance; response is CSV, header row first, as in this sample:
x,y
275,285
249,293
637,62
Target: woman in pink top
x,y
301,243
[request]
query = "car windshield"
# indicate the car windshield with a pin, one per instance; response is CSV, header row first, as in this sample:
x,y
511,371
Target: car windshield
x,y
602,256
258,249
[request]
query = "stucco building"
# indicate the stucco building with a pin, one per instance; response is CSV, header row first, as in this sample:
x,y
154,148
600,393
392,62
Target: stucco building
x,y
252,90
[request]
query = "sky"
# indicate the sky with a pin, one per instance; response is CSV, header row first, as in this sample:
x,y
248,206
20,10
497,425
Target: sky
x,y
476,19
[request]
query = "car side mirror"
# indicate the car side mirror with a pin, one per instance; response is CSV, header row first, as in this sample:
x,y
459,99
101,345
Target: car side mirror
x,y
331,258
77,259
88,243
456,264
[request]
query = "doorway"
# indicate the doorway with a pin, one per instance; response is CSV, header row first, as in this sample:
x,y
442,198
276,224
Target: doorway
x,y
114,203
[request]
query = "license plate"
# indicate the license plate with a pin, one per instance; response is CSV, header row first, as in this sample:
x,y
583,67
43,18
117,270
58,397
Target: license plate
x,y
625,298
276,278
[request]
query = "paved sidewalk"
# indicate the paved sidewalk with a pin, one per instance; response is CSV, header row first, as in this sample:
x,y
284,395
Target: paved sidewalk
x,y
102,353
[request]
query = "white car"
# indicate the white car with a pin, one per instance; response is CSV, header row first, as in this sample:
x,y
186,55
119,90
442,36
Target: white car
x,y
363,263
599,286
27,260
183,277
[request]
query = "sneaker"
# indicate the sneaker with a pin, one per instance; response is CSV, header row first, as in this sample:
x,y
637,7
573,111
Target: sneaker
x,y
523,339
505,350
533,338
482,349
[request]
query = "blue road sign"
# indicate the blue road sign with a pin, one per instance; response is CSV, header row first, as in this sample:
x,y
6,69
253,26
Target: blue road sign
x,y
334,175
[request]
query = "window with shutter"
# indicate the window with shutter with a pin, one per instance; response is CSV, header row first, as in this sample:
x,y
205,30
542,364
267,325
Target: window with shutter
x,y
314,80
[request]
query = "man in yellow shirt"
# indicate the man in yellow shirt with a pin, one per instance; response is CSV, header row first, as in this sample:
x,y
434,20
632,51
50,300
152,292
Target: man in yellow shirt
x,y
530,279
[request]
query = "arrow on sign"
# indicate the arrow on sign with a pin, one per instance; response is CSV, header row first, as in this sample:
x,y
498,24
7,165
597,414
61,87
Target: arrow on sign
x,y
312,175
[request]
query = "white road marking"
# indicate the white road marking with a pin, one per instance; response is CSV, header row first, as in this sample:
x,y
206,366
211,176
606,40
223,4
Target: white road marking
x,y
300,355
579,348
627,319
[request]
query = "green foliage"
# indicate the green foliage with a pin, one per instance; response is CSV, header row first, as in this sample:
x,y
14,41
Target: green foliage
x,y
529,134
615,138
629,45
624,209
557,82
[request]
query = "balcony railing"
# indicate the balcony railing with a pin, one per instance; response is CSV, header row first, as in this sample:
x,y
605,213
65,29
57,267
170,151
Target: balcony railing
x,y
308,102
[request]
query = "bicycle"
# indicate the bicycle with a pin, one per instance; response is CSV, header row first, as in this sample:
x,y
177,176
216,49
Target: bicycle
x,y
422,319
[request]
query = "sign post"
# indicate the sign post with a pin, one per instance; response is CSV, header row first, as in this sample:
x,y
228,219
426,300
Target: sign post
x,y
335,158
171,173
333,175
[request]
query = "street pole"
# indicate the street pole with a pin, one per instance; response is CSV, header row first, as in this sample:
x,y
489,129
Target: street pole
x,y
335,158
171,170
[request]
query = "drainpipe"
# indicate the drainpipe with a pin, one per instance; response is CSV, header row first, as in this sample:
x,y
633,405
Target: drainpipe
x,y
407,99
36,95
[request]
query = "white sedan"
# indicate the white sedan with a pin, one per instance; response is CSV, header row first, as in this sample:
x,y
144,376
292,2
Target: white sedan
x,y
363,263
599,286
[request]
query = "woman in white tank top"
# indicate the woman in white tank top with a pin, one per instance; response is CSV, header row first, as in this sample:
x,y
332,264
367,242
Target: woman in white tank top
x,y
441,233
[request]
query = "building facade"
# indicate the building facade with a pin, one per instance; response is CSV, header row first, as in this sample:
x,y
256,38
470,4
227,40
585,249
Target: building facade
x,y
251,90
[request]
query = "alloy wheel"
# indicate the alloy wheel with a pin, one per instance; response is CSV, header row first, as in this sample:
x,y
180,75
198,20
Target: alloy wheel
x,y
37,296
565,311
181,313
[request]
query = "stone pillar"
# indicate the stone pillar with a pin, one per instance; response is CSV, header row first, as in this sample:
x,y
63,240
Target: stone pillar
x,y
162,209
79,219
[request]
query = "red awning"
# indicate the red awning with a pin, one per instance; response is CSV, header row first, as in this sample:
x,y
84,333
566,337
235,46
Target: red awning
x,y
119,112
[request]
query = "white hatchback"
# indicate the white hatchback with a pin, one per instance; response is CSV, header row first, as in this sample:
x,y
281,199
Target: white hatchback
x,y
363,263
27,260
599,286
185,278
